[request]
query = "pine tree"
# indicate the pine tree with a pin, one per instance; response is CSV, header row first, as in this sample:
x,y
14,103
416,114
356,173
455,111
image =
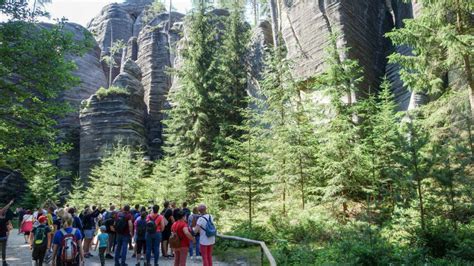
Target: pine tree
x,y
415,158
277,89
44,186
344,175
380,135
118,178
246,164
76,194
441,39
190,129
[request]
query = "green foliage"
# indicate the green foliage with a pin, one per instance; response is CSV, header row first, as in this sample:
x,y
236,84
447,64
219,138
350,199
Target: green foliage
x,y
154,9
113,90
76,194
43,186
118,178
28,98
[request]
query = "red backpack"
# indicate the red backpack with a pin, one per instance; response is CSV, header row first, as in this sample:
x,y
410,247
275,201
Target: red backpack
x,y
69,248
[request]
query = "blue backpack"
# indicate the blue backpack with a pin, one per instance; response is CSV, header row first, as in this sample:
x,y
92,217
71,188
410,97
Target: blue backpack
x,y
210,227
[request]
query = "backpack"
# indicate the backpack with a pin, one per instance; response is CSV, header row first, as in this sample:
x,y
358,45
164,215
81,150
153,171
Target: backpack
x,y
142,229
151,226
69,248
121,224
210,227
175,241
40,236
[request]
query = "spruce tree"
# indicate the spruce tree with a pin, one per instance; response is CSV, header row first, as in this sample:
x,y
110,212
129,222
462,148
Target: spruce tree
x,y
44,185
277,89
246,164
441,39
344,170
118,178
190,129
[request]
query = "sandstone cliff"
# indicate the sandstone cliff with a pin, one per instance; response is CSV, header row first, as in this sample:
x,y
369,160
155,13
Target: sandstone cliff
x,y
111,116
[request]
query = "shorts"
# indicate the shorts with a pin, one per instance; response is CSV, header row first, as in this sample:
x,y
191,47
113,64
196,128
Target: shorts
x,y
89,233
141,246
166,235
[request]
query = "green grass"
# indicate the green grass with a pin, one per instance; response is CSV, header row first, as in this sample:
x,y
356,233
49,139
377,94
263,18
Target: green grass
x,y
103,92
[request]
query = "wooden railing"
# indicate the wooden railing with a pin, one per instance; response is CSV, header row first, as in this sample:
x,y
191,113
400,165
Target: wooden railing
x,y
265,252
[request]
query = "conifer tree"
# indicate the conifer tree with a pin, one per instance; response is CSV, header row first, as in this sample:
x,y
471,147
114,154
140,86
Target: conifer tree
x,y
44,186
118,178
344,176
441,39
190,129
76,194
277,89
246,164
379,128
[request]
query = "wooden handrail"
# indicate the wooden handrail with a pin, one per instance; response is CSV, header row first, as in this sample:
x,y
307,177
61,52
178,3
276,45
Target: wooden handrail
x,y
263,246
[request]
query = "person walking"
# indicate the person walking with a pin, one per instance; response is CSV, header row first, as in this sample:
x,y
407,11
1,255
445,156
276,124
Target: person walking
x,y
140,236
102,243
180,238
109,228
27,225
207,238
67,248
155,224
40,240
88,219
5,228
192,221
168,215
124,230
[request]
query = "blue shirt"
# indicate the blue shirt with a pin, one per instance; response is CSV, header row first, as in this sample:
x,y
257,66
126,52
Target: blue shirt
x,y
103,239
58,237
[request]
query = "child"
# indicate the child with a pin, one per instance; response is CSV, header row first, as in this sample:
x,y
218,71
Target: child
x,y
40,240
102,242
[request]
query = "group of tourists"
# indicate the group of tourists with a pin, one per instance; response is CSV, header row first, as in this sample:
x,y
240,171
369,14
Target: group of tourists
x,y
66,236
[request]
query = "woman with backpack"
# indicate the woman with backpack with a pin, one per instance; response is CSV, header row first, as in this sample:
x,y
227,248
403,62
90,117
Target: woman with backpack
x,y
140,236
205,227
180,238
67,248
155,224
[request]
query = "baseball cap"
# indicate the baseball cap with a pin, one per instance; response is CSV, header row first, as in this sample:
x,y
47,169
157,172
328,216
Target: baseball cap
x,y
42,219
103,228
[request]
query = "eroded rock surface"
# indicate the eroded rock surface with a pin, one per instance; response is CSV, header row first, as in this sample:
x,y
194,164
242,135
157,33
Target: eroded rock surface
x,y
112,118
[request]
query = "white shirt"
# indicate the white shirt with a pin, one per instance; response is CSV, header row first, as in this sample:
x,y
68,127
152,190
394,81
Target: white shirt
x,y
203,239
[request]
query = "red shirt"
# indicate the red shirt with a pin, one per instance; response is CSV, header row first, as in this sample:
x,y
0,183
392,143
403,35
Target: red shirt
x,y
157,219
178,227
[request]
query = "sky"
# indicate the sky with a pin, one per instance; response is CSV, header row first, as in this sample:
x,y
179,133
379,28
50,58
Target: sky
x,y
82,11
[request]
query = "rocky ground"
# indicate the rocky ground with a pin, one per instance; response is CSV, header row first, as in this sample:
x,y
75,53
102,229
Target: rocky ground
x,y
18,253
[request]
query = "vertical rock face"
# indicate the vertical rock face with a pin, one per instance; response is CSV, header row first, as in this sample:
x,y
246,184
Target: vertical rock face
x,y
114,23
156,47
262,37
307,26
12,186
111,117
89,71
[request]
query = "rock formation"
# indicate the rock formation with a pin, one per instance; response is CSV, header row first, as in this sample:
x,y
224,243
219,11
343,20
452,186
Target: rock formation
x,y
153,46
12,186
156,48
113,116
89,70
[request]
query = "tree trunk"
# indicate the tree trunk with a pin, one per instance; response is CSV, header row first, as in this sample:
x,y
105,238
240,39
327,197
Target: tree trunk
x,y
112,59
274,15
250,184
